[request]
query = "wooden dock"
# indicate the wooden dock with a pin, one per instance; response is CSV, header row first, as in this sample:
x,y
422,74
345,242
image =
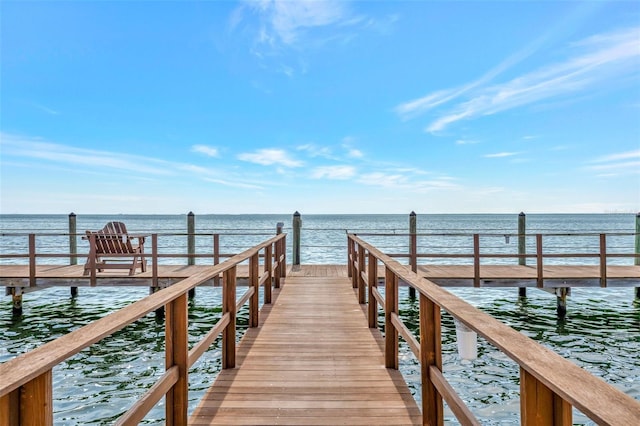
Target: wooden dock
x,y
313,360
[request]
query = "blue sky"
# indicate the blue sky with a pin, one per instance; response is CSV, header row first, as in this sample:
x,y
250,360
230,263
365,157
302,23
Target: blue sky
x,y
320,106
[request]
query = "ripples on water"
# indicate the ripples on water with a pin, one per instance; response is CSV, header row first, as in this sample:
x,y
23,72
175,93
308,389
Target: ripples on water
x,y
601,333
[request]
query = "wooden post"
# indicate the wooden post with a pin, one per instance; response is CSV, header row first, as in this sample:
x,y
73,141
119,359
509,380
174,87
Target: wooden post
x,y
268,268
216,255
373,283
539,405
16,298
229,306
32,260
476,260
522,247
637,258
155,284
355,256
73,247
413,248
36,401
177,354
350,256
191,245
254,301
603,260
362,286
297,225
92,258
391,307
539,262
430,356
561,299
279,266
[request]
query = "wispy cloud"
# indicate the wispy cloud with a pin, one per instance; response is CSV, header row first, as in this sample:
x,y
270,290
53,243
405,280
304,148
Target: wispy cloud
x,y
617,163
206,150
269,157
593,61
333,172
500,155
407,182
234,184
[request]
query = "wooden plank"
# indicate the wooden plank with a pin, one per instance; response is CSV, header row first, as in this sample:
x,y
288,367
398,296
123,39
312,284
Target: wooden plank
x,y
313,360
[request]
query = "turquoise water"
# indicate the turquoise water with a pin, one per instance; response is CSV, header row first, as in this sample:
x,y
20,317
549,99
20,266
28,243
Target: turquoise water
x,y
601,332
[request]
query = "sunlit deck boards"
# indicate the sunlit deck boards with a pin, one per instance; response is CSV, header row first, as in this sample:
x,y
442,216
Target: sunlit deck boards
x,y
313,360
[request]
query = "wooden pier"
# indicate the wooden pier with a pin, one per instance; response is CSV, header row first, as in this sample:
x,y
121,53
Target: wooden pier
x,y
313,360
313,354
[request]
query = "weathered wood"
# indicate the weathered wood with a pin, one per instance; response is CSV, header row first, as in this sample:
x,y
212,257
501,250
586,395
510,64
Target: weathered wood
x,y
229,307
141,407
540,406
36,401
177,355
268,271
254,301
372,282
430,356
455,403
361,281
10,409
391,307
326,368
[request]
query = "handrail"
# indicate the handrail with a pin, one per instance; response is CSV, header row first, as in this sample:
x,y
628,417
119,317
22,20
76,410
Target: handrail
x,y
26,387
549,384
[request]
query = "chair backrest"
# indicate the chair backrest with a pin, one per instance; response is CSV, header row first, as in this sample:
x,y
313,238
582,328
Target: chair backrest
x,y
112,239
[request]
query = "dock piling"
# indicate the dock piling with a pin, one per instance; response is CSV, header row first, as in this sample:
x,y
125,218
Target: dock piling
x,y
16,296
522,247
73,247
191,245
561,299
297,225
413,248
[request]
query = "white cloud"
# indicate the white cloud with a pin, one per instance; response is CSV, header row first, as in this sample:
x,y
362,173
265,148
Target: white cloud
x,y
597,60
234,184
314,150
500,155
268,157
333,172
619,156
206,150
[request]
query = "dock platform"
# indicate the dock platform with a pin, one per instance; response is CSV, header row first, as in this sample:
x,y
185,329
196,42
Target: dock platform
x,y
313,360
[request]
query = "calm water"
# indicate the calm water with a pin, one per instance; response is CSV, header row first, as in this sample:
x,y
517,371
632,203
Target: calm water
x,y
601,332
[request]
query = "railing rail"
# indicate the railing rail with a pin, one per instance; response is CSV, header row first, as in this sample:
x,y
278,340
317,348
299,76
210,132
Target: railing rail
x,y
549,384
26,387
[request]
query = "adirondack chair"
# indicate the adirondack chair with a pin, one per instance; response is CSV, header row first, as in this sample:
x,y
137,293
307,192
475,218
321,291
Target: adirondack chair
x,y
114,239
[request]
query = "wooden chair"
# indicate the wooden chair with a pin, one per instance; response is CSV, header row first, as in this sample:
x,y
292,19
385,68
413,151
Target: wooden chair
x,y
114,239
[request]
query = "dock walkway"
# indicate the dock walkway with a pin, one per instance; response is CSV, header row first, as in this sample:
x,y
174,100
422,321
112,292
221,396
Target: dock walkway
x,y
313,360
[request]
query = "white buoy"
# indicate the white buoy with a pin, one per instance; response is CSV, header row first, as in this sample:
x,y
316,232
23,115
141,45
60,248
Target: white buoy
x,y
467,341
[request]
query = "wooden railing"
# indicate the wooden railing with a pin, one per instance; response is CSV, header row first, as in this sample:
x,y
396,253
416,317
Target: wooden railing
x,y
153,251
549,384
476,253
26,392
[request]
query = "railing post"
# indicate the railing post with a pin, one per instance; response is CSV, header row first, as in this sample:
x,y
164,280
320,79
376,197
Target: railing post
x,y
350,255
32,260
229,306
603,260
637,251
73,247
92,258
476,260
254,301
522,247
354,265
277,273
362,297
177,354
391,307
430,356
216,255
539,263
297,225
281,250
539,405
413,248
373,283
191,245
36,401
268,268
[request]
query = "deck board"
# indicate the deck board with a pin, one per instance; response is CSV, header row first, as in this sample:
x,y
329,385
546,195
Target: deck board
x,y
313,360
